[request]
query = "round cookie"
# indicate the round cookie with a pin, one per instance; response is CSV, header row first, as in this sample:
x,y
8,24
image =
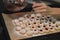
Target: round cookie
x,y
21,19
17,33
41,31
29,33
35,31
46,30
22,31
16,21
51,29
57,27
26,16
32,16
17,28
38,15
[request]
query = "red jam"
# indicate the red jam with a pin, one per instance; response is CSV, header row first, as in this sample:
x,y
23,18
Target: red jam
x,y
35,30
37,19
49,24
38,26
46,28
34,22
51,28
32,17
56,25
29,24
41,30
37,16
32,27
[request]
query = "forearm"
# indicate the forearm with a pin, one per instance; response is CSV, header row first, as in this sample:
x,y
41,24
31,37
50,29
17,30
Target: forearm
x,y
55,12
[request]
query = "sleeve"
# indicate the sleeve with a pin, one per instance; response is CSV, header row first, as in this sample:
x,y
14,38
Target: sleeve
x,y
53,3
2,7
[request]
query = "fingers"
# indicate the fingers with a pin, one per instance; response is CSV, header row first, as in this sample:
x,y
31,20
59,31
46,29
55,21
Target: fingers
x,y
22,1
38,4
40,11
39,7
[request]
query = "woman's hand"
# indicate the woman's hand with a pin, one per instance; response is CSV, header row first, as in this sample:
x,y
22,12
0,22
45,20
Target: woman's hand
x,y
39,7
22,1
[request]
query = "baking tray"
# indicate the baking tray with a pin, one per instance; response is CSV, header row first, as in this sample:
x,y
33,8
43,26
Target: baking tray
x,y
8,18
